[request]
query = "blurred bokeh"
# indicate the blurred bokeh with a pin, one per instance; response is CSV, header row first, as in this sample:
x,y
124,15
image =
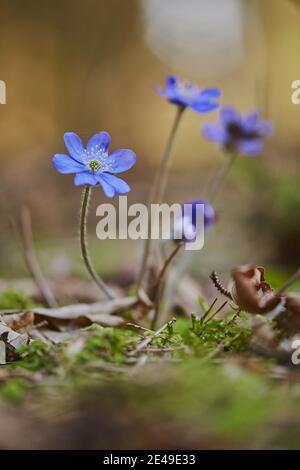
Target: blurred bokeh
x,y
89,65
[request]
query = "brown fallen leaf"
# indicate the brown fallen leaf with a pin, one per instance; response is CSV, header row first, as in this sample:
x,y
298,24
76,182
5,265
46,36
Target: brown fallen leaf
x,y
98,312
2,353
19,321
83,314
67,289
251,292
12,341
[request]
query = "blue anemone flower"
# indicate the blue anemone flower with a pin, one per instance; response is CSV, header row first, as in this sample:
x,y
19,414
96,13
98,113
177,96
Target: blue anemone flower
x,y
93,165
188,95
186,224
238,134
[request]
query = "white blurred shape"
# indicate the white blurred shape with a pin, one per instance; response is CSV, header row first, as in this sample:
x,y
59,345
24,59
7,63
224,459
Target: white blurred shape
x,y
196,36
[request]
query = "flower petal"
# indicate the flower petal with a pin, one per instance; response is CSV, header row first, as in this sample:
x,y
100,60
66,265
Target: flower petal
x,y
98,141
120,186
161,91
65,164
174,92
109,191
251,121
74,145
209,211
121,160
251,147
210,94
86,178
215,133
229,115
265,128
203,106
171,81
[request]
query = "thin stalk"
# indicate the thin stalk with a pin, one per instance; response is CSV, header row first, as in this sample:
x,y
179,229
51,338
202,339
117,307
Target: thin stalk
x,y
164,169
289,282
208,310
31,258
159,282
235,316
86,194
158,189
217,311
220,177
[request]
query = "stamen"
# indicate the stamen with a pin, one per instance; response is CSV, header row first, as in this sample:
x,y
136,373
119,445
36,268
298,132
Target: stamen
x,y
94,165
96,160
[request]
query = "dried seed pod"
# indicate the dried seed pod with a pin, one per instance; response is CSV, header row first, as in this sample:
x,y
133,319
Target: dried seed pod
x,y
217,283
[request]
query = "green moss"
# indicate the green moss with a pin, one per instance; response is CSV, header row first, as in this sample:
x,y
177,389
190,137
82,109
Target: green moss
x,y
13,299
13,390
205,336
37,356
107,344
208,399
221,400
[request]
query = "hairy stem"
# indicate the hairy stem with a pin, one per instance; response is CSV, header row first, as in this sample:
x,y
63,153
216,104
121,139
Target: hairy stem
x,y
84,246
219,178
159,282
158,189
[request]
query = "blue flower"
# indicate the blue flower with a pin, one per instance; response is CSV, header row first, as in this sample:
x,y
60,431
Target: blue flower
x,y
186,227
188,95
93,165
238,134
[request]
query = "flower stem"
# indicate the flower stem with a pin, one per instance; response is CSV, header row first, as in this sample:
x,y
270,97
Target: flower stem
x,y
86,194
220,177
158,189
158,284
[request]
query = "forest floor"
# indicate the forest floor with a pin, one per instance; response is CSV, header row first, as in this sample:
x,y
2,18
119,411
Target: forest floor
x,y
210,383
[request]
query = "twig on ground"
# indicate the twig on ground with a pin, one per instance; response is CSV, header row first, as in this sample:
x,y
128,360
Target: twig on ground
x,y
220,348
138,327
93,311
149,339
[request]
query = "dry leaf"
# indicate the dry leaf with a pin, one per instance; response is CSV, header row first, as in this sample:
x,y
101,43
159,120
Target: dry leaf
x,y
85,314
96,312
251,292
12,341
19,321
2,353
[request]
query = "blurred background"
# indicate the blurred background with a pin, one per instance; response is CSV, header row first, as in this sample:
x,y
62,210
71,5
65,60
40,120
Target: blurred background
x,y
89,65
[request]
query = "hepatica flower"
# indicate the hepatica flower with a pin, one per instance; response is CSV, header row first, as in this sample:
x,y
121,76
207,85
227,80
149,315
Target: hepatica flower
x,y
186,227
188,95
93,165
238,134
